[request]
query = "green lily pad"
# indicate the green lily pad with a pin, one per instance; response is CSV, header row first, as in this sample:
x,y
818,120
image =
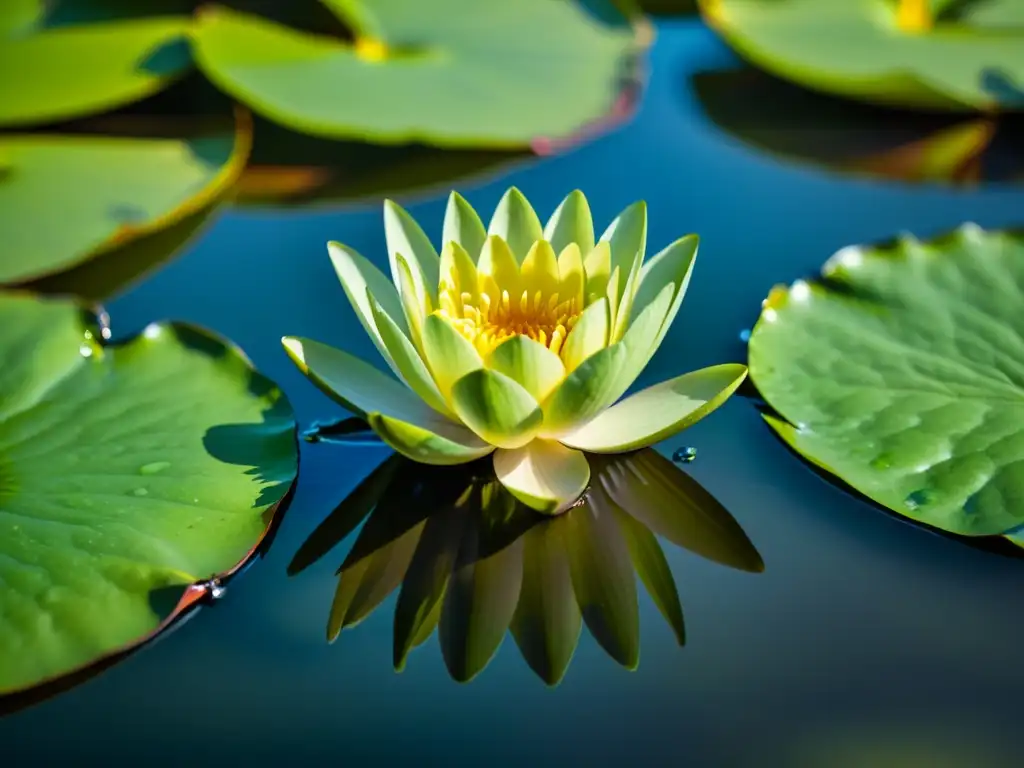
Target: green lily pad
x,y
292,168
128,473
448,72
792,124
68,72
967,60
54,215
19,16
902,373
473,562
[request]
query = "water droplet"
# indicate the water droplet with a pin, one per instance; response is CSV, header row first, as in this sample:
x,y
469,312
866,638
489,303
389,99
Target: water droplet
x,y
85,350
684,455
745,335
881,461
154,467
214,588
140,492
917,499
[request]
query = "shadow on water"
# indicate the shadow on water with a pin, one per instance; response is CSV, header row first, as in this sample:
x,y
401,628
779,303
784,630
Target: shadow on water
x,y
852,139
470,561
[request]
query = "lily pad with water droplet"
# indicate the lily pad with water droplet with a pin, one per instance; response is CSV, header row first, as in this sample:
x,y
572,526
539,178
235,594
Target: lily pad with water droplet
x,y
54,215
447,72
935,54
901,372
129,472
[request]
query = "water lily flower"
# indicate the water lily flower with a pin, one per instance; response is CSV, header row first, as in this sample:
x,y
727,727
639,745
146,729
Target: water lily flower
x,y
517,340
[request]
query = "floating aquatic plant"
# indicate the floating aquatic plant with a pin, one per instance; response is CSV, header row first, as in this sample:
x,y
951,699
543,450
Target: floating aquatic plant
x,y
920,54
901,373
133,477
517,340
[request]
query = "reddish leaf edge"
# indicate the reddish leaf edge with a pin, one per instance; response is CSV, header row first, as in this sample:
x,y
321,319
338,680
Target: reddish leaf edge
x,y
195,595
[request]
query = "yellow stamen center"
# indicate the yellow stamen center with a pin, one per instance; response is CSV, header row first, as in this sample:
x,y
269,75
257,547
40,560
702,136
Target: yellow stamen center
x,y
914,16
370,49
494,316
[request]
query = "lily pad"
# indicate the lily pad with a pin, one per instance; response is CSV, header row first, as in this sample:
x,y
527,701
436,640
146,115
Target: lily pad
x,y
19,16
130,475
473,562
902,372
67,72
793,124
958,60
54,215
449,72
293,168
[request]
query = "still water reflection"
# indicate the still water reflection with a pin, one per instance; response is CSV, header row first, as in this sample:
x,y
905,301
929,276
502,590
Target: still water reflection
x,y
472,562
864,638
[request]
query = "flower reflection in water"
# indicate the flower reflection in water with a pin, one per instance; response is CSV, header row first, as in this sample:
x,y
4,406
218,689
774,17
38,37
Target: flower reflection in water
x,y
472,562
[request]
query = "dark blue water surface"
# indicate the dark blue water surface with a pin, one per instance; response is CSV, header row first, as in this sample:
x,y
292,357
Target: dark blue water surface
x,y
865,639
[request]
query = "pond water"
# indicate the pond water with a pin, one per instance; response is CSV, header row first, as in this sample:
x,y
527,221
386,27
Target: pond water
x,y
866,641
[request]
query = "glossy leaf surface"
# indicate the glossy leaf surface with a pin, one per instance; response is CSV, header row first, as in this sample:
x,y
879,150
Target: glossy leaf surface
x,y
902,372
130,472
534,69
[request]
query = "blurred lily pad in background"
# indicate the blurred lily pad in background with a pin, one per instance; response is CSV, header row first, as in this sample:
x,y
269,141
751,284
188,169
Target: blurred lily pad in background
x,y
472,562
70,197
49,74
902,372
130,475
495,75
853,139
924,54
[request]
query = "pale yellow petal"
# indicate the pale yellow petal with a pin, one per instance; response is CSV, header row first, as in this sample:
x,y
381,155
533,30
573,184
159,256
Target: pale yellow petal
x,y
597,267
540,270
571,275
